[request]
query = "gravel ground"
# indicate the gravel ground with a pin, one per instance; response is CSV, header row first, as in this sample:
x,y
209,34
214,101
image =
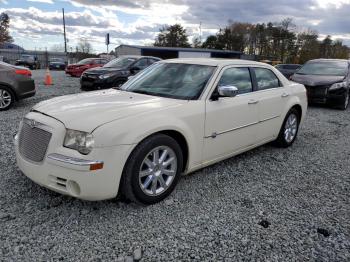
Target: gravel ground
x,y
268,204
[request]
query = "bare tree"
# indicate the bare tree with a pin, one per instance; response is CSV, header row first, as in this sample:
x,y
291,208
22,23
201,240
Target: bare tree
x,y
84,46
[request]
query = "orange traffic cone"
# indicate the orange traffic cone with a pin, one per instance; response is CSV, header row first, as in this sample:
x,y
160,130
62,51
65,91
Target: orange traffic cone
x,y
48,78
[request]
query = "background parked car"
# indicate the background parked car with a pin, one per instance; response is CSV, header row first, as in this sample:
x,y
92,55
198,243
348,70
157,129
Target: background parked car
x,y
78,68
15,83
30,61
116,72
326,80
57,64
288,69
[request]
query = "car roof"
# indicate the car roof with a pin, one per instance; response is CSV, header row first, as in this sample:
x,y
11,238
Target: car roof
x,y
214,61
329,60
289,64
140,56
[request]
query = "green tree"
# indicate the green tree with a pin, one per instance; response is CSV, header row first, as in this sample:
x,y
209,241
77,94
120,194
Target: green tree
x,y
211,42
172,36
4,28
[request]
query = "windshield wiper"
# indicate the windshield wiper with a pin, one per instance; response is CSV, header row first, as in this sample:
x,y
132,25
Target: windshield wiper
x,y
143,92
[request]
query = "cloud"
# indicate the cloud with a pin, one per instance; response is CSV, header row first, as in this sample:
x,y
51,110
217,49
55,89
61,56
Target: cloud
x,y
42,1
144,17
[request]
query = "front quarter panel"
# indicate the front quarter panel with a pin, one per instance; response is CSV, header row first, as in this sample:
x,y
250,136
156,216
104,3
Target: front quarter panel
x,y
298,97
186,118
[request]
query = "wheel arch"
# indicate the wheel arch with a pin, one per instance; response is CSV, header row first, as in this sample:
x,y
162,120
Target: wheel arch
x,y
10,88
177,136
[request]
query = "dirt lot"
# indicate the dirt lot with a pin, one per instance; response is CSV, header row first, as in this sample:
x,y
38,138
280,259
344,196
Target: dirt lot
x,y
269,204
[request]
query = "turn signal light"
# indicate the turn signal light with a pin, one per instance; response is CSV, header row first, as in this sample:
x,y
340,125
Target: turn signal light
x,y
23,72
96,166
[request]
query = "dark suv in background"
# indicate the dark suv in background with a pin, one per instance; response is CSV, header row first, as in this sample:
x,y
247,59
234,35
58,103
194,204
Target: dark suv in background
x,y
327,81
15,84
116,72
288,69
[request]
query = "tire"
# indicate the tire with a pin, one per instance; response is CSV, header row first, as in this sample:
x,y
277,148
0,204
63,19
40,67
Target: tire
x,y
145,183
7,98
345,101
283,139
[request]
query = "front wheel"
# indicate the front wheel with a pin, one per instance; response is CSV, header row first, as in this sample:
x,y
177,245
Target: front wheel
x,y
152,170
289,129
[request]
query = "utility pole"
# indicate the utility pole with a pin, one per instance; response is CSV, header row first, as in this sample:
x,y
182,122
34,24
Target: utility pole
x,y
64,32
200,32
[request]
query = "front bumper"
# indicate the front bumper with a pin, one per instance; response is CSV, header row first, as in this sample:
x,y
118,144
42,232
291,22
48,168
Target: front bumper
x,y
322,95
68,172
96,83
74,72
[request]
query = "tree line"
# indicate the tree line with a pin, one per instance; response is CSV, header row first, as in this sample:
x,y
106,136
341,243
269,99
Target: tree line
x,y
273,41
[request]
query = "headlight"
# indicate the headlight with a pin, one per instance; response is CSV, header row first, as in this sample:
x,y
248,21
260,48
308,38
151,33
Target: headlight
x,y
106,76
81,141
338,86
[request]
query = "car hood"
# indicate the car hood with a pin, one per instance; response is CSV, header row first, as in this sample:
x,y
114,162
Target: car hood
x,y
87,111
104,70
316,80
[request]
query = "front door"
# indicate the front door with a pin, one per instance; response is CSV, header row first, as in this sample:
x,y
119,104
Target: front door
x,y
231,122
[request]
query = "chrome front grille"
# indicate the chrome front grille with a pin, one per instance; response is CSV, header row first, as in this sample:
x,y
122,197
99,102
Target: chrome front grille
x,y
33,140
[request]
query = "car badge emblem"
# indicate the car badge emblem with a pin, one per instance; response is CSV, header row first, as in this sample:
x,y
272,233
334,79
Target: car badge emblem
x,y
32,123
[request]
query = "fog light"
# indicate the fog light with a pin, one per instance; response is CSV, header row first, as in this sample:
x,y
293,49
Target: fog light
x,y
73,188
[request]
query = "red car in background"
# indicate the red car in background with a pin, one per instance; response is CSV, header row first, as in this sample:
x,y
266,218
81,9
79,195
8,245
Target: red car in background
x,y
78,68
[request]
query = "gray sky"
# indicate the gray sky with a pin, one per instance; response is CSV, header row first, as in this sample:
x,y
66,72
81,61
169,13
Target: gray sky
x,y
37,23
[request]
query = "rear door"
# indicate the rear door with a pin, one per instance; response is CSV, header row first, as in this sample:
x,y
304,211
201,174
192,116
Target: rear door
x,y
272,100
231,122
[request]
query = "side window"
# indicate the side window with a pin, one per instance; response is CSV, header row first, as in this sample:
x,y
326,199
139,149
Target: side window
x,y
266,79
142,63
151,61
238,77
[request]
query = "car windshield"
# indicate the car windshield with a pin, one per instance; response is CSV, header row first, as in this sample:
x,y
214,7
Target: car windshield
x,y
120,62
85,61
172,80
329,68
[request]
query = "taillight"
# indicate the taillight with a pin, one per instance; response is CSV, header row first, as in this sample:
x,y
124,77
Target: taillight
x,y
24,72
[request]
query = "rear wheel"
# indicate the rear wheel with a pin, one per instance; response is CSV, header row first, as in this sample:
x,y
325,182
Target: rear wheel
x,y
6,98
289,129
152,170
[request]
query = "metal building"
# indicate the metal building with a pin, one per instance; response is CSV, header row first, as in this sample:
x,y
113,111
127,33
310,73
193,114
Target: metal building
x,y
175,52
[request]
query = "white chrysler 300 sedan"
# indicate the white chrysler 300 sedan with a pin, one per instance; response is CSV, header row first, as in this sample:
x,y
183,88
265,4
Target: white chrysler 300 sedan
x,y
175,117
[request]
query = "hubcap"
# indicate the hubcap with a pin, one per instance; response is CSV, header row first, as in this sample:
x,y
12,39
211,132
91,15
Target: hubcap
x,y
5,98
290,128
158,170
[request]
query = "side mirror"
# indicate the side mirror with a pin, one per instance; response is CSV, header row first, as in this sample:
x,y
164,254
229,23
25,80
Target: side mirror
x,y
227,91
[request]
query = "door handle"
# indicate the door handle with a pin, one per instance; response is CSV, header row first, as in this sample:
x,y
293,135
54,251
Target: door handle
x,y
285,95
253,102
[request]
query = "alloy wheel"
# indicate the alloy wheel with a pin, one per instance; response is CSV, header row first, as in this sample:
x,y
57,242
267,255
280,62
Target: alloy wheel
x,y
291,128
158,170
5,98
